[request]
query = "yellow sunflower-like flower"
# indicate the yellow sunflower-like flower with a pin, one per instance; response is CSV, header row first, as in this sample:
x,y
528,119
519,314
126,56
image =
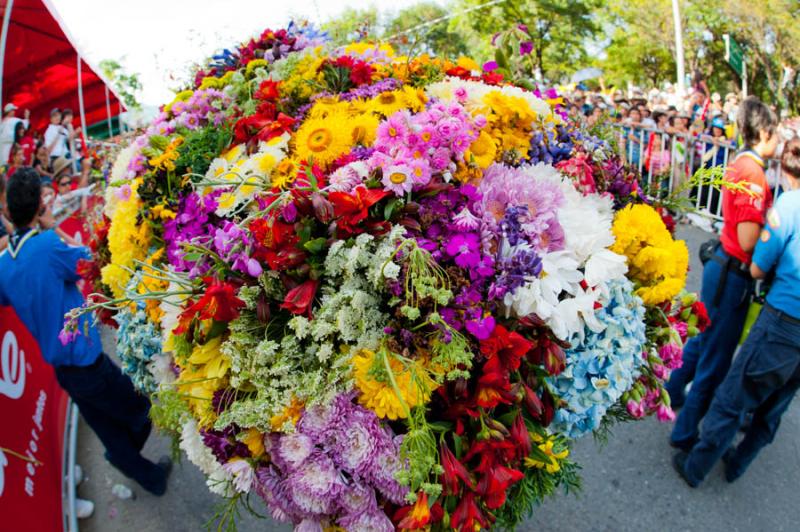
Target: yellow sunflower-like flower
x,y
547,446
482,151
658,263
285,173
202,374
389,102
323,140
413,381
363,128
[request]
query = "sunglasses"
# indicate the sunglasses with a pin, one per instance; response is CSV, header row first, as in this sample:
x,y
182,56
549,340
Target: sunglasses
x,y
64,183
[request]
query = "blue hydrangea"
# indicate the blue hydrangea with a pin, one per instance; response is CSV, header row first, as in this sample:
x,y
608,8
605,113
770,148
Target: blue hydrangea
x,y
603,366
138,340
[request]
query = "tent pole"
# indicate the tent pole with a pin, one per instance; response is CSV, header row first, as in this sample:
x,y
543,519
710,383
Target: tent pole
x,y
3,37
83,114
119,116
108,114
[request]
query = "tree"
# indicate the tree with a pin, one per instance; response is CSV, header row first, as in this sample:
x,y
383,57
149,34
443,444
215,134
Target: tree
x,y
559,29
431,32
354,25
127,86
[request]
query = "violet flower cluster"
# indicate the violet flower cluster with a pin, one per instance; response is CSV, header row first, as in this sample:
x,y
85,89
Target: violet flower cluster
x,y
334,463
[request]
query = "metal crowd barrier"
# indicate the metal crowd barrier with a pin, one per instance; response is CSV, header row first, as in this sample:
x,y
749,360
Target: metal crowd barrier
x,y
687,154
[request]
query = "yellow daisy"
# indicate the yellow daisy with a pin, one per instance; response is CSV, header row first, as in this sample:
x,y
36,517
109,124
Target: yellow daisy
x,y
323,140
482,151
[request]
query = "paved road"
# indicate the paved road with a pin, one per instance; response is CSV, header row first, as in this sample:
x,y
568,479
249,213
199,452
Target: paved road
x,y
628,485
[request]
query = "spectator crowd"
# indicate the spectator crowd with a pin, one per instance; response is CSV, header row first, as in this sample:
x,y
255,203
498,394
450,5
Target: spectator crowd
x,y
58,154
668,137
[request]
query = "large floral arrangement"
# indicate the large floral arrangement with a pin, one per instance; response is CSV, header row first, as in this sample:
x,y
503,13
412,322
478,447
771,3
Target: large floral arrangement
x,y
385,292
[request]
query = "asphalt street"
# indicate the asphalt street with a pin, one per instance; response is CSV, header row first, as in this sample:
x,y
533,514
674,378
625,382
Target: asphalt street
x,y
628,484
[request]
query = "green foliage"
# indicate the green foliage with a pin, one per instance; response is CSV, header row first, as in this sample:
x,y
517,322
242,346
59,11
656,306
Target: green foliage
x,y
424,28
126,85
168,412
528,493
354,25
200,147
558,29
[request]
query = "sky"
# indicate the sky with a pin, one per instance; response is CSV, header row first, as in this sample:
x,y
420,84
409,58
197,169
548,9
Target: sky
x,y
161,39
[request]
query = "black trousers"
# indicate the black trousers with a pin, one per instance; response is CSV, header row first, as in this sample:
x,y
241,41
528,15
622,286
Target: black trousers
x,y
117,414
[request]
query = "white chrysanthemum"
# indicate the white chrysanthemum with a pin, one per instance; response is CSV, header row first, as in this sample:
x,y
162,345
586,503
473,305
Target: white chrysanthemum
x,y
242,473
196,451
160,367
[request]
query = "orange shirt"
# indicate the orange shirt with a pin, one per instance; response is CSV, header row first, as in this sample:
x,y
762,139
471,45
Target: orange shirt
x,y
738,207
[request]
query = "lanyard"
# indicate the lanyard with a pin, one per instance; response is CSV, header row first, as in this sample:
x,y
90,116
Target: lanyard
x,y
19,238
753,155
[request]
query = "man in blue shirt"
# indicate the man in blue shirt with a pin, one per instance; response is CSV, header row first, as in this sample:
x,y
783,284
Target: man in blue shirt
x,y
37,278
766,374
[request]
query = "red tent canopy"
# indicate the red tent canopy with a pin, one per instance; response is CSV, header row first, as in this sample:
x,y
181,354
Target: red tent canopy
x,y
40,70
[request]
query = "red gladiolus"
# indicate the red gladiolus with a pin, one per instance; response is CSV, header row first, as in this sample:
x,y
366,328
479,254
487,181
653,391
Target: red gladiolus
x,y
532,402
352,209
520,437
493,389
453,472
299,298
493,485
219,303
492,78
504,350
468,515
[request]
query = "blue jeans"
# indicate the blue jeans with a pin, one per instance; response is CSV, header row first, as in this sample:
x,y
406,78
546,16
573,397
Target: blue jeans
x,y
764,379
707,357
117,414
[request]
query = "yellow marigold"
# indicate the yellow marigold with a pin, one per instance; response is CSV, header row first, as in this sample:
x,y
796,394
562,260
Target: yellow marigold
x,y
127,241
413,382
323,140
166,161
468,63
658,263
151,284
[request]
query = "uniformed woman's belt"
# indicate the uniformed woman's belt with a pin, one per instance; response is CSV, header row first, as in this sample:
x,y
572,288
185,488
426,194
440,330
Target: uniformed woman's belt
x,y
782,315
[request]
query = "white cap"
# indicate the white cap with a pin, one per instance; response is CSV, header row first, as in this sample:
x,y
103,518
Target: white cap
x,y
10,107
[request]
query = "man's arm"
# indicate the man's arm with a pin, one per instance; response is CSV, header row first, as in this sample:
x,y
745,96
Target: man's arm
x,y
770,245
747,235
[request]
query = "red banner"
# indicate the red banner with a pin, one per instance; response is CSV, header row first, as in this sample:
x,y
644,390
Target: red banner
x,y
34,410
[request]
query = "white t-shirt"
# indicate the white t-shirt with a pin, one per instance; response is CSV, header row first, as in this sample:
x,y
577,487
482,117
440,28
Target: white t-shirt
x,y
7,127
58,134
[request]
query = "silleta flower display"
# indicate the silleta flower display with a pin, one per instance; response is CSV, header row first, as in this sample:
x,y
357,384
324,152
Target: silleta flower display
x,y
384,292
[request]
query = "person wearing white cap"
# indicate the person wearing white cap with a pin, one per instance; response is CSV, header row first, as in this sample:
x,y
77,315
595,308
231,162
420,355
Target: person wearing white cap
x,y
7,128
